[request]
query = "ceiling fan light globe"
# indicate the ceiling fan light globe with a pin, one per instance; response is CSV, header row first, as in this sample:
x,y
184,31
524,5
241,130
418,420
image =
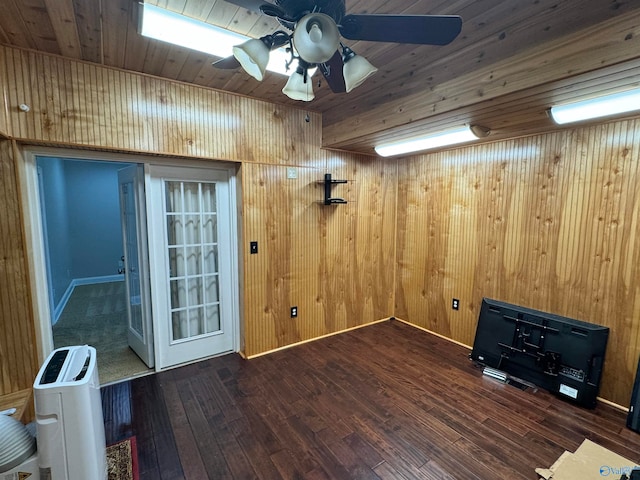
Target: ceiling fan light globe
x,y
316,37
297,89
356,70
315,33
253,55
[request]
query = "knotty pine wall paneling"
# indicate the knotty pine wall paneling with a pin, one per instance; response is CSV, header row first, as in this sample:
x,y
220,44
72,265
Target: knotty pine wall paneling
x,y
360,240
549,222
18,355
280,214
333,262
74,103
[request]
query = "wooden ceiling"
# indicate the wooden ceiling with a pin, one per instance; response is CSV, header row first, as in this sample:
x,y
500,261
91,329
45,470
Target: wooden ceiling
x,y
512,60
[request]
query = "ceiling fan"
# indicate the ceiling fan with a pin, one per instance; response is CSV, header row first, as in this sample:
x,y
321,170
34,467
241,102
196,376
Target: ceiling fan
x,y
317,26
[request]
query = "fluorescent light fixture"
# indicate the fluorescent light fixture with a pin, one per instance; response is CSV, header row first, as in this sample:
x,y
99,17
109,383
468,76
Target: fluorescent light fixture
x,y
604,106
440,139
177,29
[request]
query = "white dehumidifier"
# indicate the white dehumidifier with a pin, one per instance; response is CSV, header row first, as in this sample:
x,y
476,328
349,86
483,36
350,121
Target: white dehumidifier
x,y
69,421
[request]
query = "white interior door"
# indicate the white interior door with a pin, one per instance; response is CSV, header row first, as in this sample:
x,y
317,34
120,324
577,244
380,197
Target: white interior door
x,y
193,292
134,240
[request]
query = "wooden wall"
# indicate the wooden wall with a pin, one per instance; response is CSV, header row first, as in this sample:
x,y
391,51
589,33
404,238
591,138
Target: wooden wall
x,y
80,104
18,355
550,222
4,126
334,263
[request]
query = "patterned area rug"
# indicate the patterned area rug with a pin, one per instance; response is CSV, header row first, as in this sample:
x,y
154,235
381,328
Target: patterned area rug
x,y
122,460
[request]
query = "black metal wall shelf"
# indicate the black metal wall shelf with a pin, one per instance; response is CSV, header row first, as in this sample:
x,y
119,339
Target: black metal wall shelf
x,y
328,183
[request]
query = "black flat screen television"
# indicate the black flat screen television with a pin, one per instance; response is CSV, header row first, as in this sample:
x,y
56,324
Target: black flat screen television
x,y
560,354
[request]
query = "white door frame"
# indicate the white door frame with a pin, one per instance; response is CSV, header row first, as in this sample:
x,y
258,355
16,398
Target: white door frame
x,y
32,222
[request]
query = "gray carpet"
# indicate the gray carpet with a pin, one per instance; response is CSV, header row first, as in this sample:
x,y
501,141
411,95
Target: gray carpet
x,y
96,315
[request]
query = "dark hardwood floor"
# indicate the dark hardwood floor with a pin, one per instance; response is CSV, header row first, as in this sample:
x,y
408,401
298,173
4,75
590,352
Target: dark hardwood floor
x,y
385,401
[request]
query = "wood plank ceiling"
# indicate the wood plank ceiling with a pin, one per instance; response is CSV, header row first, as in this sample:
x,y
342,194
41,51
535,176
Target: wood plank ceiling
x,y
511,61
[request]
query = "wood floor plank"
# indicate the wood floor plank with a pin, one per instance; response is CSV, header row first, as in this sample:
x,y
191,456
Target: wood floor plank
x,y
255,450
157,453
186,443
433,471
116,408
364,450
393,451
387,472
383,402
207,445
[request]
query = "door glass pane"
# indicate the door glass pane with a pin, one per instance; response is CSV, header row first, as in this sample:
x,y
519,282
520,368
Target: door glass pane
x,y
174,230
196,321
191,198
211,289
131,246
212,318
193,258
195,291
209,197
193,229
173,197
176,262
178,289
210,259
180,324
209,228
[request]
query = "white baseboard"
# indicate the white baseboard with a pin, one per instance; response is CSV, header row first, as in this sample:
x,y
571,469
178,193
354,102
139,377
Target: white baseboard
x,y
95,280
81,281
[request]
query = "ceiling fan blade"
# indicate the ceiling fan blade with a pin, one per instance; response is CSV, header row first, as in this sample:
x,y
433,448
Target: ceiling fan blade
x,y
419,29
228,63
332,71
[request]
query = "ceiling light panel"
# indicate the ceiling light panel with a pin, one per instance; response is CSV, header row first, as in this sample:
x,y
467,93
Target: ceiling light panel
x,y
427,142
604,106
161,24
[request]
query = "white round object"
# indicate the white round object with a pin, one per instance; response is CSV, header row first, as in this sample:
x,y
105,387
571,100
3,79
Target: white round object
x,y
316,38
16,444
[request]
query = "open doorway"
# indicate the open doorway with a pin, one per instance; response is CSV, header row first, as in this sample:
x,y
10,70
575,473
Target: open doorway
x,y
83,243
189,257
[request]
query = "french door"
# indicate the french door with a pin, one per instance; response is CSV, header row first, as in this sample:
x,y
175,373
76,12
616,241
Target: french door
x,y
193,280
136,263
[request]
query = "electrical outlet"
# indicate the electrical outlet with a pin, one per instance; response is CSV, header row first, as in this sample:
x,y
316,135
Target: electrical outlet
x,y
455,304
253,247
294,312
292,173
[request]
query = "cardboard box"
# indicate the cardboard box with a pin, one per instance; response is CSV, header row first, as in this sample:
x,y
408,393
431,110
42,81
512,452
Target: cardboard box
x,y
589,462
